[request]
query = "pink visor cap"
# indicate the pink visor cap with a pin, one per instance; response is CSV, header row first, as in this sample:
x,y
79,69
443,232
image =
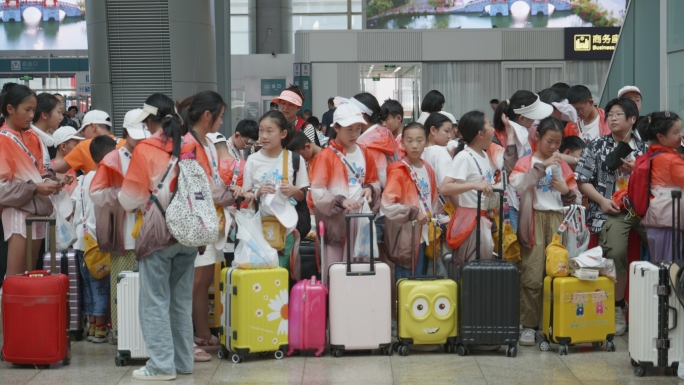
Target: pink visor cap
x,y
289,96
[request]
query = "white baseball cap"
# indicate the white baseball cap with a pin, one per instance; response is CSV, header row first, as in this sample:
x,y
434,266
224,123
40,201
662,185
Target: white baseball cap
x,y
536,111
65,134
450,116
95,117
216,137
137,131
627,89
146,111
348,114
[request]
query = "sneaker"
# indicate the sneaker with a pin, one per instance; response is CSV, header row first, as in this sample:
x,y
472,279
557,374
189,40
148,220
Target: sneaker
x,y
100,335
528,337
620,323
91,332
143,374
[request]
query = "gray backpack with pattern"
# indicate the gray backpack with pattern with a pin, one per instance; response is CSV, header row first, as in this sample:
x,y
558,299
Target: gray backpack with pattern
x,y
191,216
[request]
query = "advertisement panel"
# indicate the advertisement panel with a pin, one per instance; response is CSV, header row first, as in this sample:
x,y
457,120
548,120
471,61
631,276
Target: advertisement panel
x,y
43,25
445,14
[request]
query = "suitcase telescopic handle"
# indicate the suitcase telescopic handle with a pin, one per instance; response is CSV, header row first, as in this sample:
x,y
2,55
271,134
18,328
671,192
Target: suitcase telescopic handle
x,y
321,235
52,222
676,223
348,218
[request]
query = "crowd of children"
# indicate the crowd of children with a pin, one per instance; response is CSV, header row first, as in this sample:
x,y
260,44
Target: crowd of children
x,y
550,150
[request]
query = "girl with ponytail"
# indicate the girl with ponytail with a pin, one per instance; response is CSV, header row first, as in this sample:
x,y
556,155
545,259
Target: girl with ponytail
x,y
664,131
470,172
166,266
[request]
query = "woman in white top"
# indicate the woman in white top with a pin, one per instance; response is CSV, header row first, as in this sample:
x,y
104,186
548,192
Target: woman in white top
x,y
46,120
471,171
203,114
432,102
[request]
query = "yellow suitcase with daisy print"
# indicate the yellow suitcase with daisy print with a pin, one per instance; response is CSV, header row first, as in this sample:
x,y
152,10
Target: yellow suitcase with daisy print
x,y
256,312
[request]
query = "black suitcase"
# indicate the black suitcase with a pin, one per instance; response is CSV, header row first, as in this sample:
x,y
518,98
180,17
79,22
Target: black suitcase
x,y
489,305
307,255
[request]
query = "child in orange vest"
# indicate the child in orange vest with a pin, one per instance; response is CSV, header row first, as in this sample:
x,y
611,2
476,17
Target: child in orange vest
x,y
664,130
410,195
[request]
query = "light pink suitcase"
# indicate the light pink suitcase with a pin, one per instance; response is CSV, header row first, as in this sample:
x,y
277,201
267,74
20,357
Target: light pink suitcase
x,y
360,303
308,315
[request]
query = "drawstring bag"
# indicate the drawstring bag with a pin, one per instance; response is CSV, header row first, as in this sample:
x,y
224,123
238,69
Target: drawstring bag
x,y
434,235
99,263
556,253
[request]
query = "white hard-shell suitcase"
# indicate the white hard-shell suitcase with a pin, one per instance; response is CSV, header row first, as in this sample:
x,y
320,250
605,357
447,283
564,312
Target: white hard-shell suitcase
x,y
360,303
131,342
656,339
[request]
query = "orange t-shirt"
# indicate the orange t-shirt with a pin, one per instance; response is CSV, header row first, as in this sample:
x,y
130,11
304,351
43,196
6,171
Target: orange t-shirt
x,y
79,158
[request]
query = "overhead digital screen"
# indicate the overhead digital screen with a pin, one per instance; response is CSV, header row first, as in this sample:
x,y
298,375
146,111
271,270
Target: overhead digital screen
x,y
446,14
43,25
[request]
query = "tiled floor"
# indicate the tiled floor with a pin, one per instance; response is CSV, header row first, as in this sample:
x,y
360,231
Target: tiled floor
x,y
94,364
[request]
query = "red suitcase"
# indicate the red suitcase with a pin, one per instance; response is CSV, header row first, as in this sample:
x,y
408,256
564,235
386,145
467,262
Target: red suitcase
x,y
35,311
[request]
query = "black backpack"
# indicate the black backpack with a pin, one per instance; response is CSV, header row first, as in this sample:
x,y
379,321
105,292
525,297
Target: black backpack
x,y
303,213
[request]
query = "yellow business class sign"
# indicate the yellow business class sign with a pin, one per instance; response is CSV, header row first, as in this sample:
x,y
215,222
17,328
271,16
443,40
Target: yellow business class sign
x,y
591,43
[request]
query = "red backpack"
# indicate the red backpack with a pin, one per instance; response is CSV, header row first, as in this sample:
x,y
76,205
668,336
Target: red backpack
x,y
639,187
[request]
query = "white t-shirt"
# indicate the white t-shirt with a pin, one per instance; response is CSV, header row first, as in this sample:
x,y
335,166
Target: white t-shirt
x,y
425,194
129,220
469,166
589,131
210,150
358,162
545,197
439,159
258,166
82,199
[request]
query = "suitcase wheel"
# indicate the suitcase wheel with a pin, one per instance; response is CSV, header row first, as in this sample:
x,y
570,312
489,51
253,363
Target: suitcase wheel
x,y
78,335
462,351
639,371
597,345
563,350
279,354
511,351
387,350
544,346
610,346
67,359
336,352
237,358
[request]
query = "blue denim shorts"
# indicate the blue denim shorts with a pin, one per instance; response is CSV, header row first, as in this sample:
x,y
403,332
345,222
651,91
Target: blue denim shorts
x,y
95,291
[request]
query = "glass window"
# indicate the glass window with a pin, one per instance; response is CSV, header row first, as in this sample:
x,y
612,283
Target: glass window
x,y
323,22
239,7
357,22
675,80
237,107
239,35
675,33
356,6
319,6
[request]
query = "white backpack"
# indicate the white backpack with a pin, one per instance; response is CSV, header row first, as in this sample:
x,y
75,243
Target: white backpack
x,y
191,216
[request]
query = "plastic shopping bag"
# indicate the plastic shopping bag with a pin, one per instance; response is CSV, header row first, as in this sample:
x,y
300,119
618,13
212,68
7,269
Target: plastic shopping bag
x,y
363,242
578,234
65,235
253,252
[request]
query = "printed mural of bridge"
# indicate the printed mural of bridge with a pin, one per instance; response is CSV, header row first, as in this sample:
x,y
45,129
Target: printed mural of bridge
x,y
12,10
496,7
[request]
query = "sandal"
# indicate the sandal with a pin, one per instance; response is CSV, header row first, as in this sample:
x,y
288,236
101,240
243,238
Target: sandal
x,y
213,341
201,355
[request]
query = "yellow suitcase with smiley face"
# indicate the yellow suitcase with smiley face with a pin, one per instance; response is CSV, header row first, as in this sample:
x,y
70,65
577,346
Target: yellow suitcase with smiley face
x,y
426,312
